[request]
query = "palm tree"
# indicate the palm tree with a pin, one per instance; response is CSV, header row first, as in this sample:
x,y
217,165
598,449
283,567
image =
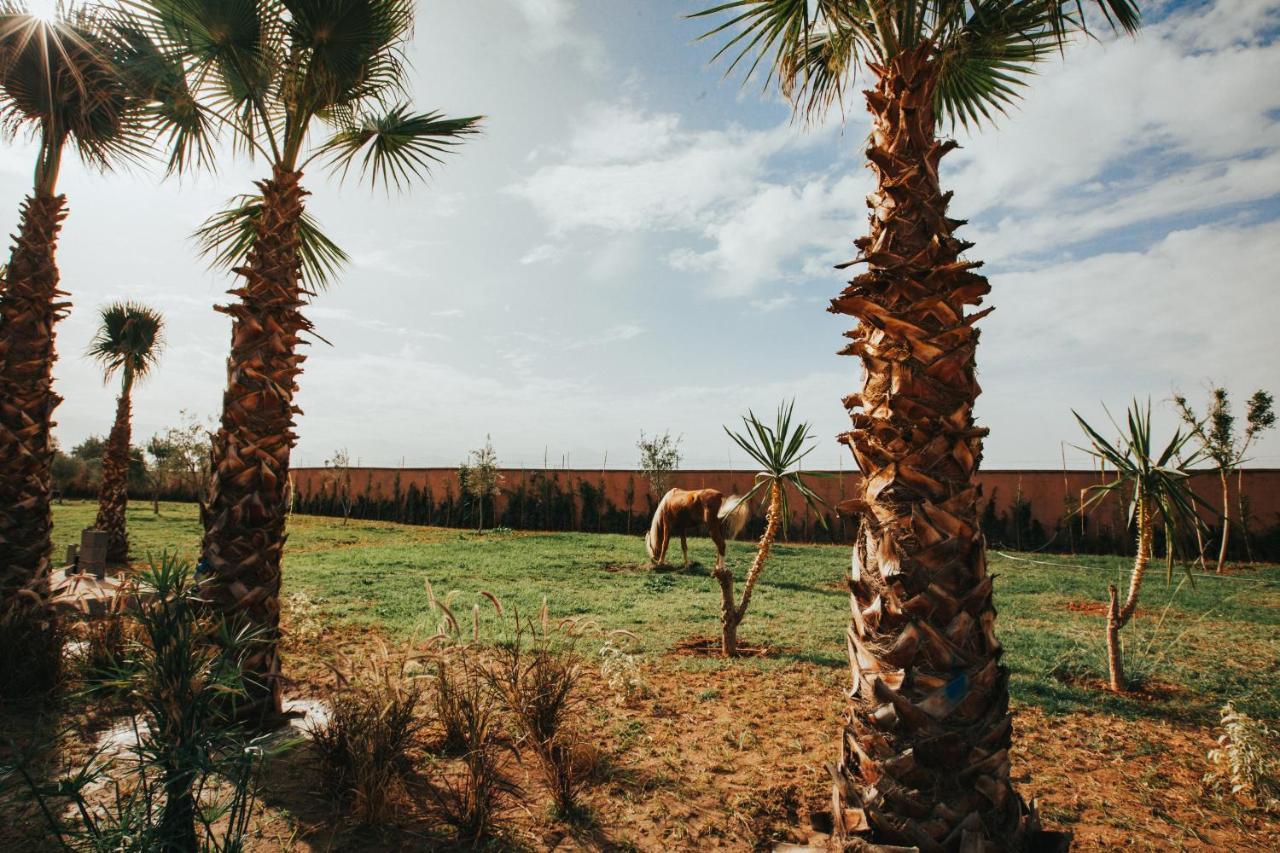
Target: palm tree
x,y
129,341
58,84
778,450
1159,489
924,753
270,71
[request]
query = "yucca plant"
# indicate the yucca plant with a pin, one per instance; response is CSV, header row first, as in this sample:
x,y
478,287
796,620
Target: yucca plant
x,y
129,339
924,749
1158,490
778,450
57,84
164,790
272,74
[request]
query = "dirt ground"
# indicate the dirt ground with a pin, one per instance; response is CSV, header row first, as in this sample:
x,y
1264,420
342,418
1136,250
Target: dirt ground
x,y
732,757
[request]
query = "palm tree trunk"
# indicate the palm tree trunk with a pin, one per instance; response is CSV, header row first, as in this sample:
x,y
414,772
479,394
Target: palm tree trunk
x,y
29,309
113,492
925,749
1117,616
1226,520
244,516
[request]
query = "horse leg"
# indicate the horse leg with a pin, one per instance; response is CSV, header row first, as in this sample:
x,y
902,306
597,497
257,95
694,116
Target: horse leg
x,y
662,546
717,536
684,547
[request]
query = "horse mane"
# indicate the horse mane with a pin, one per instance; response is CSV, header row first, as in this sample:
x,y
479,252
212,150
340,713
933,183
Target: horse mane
x,y
733,515
655,527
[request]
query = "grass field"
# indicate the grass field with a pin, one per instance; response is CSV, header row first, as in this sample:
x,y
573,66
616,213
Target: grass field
x,y
1196,646
1117,771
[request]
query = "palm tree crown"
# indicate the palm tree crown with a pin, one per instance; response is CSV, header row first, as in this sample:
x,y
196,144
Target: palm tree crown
x,y
268,70
129,339
57,80
982,49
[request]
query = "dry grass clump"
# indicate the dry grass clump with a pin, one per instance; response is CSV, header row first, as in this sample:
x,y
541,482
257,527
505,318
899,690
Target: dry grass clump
x,y
1246,762
621,672
471,800
537,675
366,746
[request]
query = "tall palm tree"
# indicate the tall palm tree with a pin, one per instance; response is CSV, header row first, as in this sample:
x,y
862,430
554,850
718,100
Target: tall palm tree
x,y
57,83
129,340
1159,490
271,72
778,450
924,752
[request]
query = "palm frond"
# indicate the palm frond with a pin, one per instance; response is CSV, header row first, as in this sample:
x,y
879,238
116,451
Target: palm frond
x,y
344,52
130,337
226,237
396,147
57,79
983,49
174,115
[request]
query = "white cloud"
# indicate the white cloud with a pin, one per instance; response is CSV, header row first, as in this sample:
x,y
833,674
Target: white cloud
x,y
631,170
551,28
543,252
777,224
1180,119
766,306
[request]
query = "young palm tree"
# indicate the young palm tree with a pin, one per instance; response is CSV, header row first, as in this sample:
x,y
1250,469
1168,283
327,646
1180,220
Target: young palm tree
x,y
924,754
1159,491
778,450
129,341
57,84
271,72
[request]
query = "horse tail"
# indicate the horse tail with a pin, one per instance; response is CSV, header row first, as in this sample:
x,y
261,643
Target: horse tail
x,y
654,536
733,515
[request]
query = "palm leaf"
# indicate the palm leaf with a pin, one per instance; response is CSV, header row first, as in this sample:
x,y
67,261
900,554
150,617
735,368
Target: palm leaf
x,y
397,146
226,237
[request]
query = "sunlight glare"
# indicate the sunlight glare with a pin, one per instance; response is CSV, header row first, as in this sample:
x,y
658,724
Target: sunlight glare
x,y
45,10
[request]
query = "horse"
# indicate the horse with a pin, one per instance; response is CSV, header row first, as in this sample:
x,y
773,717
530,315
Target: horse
x,y
680,511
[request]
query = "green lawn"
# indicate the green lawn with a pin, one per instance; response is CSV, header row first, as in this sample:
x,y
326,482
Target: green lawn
x,y
1193,647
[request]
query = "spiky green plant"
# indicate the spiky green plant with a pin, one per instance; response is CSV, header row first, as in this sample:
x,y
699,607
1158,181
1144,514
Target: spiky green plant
x,y
778,450
162,787
1157,488
129,340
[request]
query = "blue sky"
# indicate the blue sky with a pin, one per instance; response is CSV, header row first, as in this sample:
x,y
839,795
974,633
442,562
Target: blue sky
x,y
637,243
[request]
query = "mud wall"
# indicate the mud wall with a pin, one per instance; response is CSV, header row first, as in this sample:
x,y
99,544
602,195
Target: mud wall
x,y
1023,509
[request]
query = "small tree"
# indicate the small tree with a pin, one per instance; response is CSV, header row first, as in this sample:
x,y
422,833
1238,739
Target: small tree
x,y
479,478
1159,491
778,450
180,458
1219,440
338,475
128,342
659,459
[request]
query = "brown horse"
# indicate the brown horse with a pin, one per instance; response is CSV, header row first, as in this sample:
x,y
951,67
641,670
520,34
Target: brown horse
x,y
680,511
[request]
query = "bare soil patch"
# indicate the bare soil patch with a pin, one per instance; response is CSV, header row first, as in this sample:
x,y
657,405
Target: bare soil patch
x,y
700,645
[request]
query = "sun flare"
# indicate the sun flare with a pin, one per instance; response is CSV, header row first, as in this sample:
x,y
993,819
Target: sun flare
x,y
45,10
